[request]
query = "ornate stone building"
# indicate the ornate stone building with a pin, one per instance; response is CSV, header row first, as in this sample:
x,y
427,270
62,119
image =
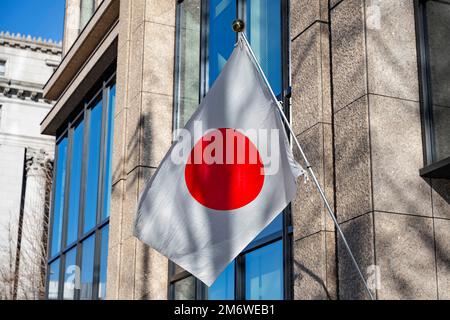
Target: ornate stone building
x,y
365,84
26,158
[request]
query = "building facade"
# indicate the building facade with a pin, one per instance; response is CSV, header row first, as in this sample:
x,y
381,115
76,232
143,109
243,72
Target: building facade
x,y
365,85
26,160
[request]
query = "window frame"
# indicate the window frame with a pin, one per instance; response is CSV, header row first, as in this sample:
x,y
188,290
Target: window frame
x,y
286,234
432,168
82,113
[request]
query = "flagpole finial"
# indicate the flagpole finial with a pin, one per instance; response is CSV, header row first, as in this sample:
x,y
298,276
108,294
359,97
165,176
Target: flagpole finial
x,y
238,25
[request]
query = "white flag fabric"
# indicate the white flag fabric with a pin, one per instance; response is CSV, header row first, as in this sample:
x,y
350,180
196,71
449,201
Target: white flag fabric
x,y
202,207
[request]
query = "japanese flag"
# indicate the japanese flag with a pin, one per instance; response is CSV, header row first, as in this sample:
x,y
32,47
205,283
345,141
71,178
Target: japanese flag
x,y
228,174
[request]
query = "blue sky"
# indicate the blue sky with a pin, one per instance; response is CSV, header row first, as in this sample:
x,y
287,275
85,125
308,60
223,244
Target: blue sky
x,y
38,18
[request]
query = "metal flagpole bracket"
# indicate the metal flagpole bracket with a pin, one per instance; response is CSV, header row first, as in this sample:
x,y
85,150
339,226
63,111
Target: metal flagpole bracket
x,y
243,38
238,25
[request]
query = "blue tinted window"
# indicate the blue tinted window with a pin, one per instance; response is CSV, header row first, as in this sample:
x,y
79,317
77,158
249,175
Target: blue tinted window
x,y
103,262
223,287
276,226
108,152
75,182
264,34
221,36
263,30
87,268
93,167
60,183
53,280
71,275
264,273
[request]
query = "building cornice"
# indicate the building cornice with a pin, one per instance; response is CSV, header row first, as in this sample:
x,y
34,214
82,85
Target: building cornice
x,y
30,43
22,90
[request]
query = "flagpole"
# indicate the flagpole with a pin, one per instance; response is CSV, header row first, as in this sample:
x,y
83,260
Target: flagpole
x,y
238,27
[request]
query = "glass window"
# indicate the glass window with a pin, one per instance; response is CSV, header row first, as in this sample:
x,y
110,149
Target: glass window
x,y
75,182
185,289
263,33
264,273
86,11
87,150
223,287
221,38
53,282
188,61
103,262
60,185
438,48
260,266
71,275
87,268
276,226
93,166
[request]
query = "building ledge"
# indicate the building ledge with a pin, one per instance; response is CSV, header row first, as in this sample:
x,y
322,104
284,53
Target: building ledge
x,y
99,62
97,28
438,170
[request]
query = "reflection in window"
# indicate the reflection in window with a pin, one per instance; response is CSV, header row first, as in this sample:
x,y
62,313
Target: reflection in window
x,y
438,26
53,280
71,275
90,141
188,60
221,38
87,268
264,35
75,182
264,273
185,289
223,287
93,167
276,226
60,185
103,262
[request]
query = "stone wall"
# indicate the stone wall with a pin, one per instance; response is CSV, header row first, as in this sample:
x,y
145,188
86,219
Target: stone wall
x,y
142,135
383,204
314,237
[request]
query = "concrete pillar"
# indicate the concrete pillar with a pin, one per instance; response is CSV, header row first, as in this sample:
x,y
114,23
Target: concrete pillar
x,y
383,205
71,24
31,283
314,236
142,135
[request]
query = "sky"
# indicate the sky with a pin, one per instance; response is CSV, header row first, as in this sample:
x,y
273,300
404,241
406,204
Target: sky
x,y
38,18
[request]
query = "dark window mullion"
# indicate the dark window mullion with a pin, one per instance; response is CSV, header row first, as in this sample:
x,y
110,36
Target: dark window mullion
x,y
285,91
430,155
84,170
239,278
101,175
62,271
79,249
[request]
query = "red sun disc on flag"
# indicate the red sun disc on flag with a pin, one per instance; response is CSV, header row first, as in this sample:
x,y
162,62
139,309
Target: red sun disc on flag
x,y
224,173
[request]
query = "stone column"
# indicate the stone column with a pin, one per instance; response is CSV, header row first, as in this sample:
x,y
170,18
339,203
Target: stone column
x,y
314,236
142,135
33,239
71,24
383,205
